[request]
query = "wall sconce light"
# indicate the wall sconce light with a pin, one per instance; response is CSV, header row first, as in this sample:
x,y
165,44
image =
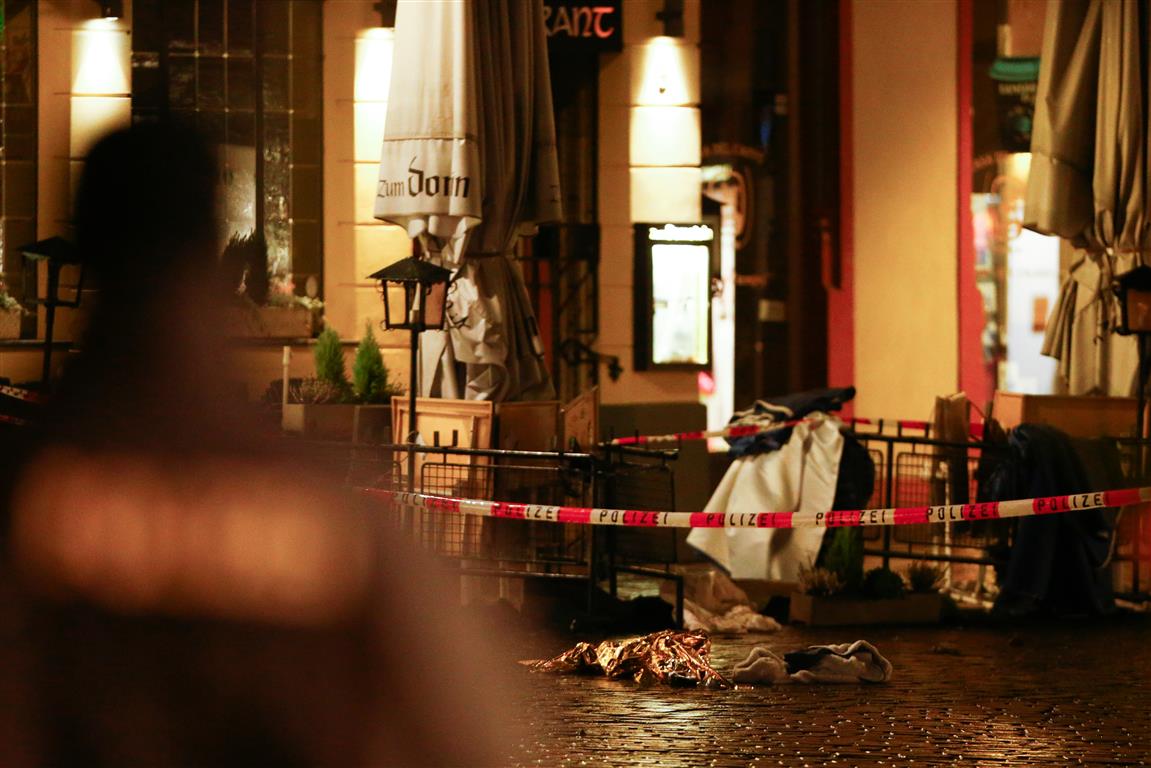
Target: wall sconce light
x,y
111,9
387,11
672,18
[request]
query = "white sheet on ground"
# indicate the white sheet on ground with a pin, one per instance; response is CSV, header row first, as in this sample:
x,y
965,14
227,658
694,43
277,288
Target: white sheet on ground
x,y
738,620
714,603
800,476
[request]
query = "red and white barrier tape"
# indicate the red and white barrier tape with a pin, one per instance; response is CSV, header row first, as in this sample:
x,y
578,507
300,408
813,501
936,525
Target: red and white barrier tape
x,y
839,518
5,419
21,394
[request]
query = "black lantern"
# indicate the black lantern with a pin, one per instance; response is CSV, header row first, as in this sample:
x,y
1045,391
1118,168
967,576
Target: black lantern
x,y
1133,291
425,289
425,296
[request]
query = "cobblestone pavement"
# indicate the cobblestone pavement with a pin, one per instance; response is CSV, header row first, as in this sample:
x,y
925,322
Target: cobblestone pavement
x,y
1074,694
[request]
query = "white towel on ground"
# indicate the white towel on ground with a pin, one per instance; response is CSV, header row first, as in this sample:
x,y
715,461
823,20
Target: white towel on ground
x,y
858,662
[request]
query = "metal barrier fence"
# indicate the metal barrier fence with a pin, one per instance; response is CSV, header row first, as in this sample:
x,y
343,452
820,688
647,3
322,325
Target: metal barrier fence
x,y
910,470
640,479
489,546
916,470
631,478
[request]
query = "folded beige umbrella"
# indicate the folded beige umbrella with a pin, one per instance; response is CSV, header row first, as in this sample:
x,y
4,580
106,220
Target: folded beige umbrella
x,y
1088,181
469,166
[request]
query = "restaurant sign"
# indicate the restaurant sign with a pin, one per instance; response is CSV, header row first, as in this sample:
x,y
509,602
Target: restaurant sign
x,y
594,24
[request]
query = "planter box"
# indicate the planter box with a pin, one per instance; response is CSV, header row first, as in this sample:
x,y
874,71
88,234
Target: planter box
x,y
842,611
269,322
9,325
372,424
320,422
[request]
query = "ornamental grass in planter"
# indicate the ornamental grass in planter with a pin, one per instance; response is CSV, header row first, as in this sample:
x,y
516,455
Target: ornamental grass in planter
x,y
839,593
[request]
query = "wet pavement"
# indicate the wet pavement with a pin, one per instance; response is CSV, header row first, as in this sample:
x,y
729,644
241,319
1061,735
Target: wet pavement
x,y
1066,694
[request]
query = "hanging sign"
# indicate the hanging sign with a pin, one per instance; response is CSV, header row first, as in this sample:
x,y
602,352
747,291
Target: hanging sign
x,y
594,24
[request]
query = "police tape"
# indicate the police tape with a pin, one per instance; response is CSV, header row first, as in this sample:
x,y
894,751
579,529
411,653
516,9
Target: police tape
x,y
21,394
948,513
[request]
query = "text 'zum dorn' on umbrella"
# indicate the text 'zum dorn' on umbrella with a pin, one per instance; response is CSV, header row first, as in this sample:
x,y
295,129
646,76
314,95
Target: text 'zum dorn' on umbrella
x,y
468,166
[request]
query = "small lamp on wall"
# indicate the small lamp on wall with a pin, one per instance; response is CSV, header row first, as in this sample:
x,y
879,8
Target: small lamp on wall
x,y
111,9
425,290
672,18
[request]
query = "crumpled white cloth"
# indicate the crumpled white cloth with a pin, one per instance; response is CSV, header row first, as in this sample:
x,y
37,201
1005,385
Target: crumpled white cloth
x,y
714,603
858,662
800,476
738,620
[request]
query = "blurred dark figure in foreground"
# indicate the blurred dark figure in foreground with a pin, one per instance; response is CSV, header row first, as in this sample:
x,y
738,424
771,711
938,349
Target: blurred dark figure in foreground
x,y
192,596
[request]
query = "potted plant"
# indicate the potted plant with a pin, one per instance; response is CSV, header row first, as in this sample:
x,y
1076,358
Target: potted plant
x,y
373,392
841,593
321,407
329,406
266,305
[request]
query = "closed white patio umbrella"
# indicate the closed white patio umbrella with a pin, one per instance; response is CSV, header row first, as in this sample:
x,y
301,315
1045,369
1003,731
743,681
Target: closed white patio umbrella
x,y
468,166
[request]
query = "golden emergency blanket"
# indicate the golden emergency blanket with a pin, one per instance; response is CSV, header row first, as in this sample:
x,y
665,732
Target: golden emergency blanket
x,y
670,656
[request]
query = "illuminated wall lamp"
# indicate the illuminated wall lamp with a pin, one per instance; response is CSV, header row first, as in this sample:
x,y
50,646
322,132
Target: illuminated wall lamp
x,y
111,9
672,18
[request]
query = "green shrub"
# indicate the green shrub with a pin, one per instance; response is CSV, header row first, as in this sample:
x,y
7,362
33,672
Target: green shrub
x,y
882,583
330,361
369,374
924,577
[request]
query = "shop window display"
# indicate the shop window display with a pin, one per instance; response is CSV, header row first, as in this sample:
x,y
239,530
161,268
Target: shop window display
x,y
248,74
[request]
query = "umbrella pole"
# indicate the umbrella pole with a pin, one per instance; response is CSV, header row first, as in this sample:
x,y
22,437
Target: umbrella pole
x,y
412,382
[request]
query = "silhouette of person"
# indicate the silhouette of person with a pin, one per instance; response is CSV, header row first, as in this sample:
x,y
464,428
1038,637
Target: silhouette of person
x,y
192,594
